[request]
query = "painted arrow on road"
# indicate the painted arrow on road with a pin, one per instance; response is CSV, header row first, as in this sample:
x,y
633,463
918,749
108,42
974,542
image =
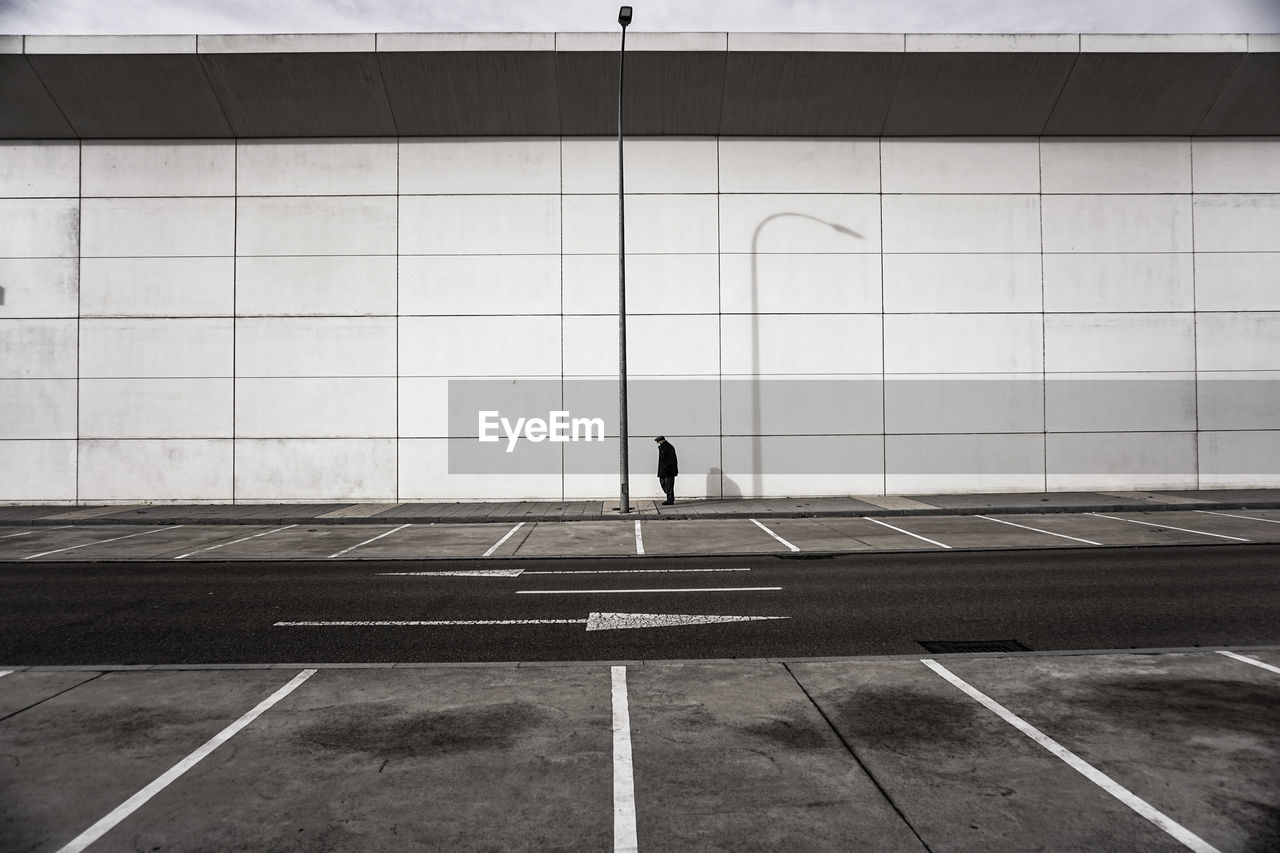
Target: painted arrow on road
x,y
594,622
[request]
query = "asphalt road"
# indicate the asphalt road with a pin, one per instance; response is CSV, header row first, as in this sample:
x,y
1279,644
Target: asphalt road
x,y
858,604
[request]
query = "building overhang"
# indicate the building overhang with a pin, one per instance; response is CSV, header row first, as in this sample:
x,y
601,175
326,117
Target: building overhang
x,y
691,84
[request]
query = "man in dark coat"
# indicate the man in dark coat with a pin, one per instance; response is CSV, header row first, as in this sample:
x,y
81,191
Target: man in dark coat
x,y
668,469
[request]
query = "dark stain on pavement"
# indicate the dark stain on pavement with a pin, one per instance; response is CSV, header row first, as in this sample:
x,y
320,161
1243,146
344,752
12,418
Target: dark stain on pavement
x,y
1219,705
381,731
902,716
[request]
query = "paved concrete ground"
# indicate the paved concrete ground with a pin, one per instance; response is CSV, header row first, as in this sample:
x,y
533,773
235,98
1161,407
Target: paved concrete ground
x,y
884,754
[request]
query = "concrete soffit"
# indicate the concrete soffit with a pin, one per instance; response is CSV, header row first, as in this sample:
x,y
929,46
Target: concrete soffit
x,y
732,84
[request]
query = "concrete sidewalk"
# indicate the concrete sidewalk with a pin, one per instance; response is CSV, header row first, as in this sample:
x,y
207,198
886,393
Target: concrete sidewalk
x,y
645,509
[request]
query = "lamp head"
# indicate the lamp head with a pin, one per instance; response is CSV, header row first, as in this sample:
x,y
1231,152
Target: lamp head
x,y
624,16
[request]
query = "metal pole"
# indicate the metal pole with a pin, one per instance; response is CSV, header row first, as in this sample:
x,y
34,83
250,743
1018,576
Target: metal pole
x,y
624,474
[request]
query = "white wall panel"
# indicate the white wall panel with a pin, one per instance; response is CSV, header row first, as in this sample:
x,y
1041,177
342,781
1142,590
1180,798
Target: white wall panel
x,y
798,405
1117,223
480,225
480,166
316,469
796,284
155,408
316,408
656,284
1120,402
657,345
961,166
39,228
791,465
831,224
39,169
1237,223
317,167
37,349
672,165
38,287
1237,165
423,409
1238,400
316,225
962,343
665,224
1130,460
41,471
156,169
309,285
480,284
425,476
1082,343
1238,281
799,166
37,409
316,346
1239,459
157,287
480,346
157,470
962,283
1119,282
916,464
959,403
1116,165
155,348
158,227
799,344
1243,341
921,224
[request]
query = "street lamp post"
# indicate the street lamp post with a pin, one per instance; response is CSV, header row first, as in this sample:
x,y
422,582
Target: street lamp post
x,y
624,18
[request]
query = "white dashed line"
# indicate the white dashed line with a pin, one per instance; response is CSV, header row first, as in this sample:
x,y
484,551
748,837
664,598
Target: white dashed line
x,y
102,541
639,540
1170,527
1185,836
1038,530
498,544
624,788
366,542
1253,661
774,535
237,542
908,532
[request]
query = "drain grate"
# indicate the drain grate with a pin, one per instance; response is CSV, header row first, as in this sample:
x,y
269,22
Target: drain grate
x,y
963,647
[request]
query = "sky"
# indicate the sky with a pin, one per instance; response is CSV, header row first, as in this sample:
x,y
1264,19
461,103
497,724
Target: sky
x,y
104,17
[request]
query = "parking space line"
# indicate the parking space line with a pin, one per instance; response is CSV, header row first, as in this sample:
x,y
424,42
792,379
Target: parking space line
x,y
4,672
129,806
611,591
1038,530
498,544
1170,527
1185,836
624,788
102,541
908,532
23,533
774,535
367,541
1253,661
639,540
237,542
1245,517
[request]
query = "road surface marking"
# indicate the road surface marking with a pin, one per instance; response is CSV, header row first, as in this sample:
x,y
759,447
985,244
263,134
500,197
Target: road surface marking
x,y
237,542
367,541
459,573
908,532
103,541
613,591
1038,530
639,540
1254,661
514,573
29,532
774,535
1247,517
4,672
1169,527
498,544
624,788
593,622
139,799
1102,780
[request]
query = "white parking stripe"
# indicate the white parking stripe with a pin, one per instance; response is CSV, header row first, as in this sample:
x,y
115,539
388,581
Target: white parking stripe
x,y
102,541
908,532
139,799
774,535
23,533
237,542
498,544
1246,517
4,672
1038,530
367,541
1185,836
624,788
1254,661
639,540
1170,527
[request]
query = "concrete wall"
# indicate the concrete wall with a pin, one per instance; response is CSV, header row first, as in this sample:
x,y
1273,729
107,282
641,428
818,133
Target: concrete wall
x,y
279,320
